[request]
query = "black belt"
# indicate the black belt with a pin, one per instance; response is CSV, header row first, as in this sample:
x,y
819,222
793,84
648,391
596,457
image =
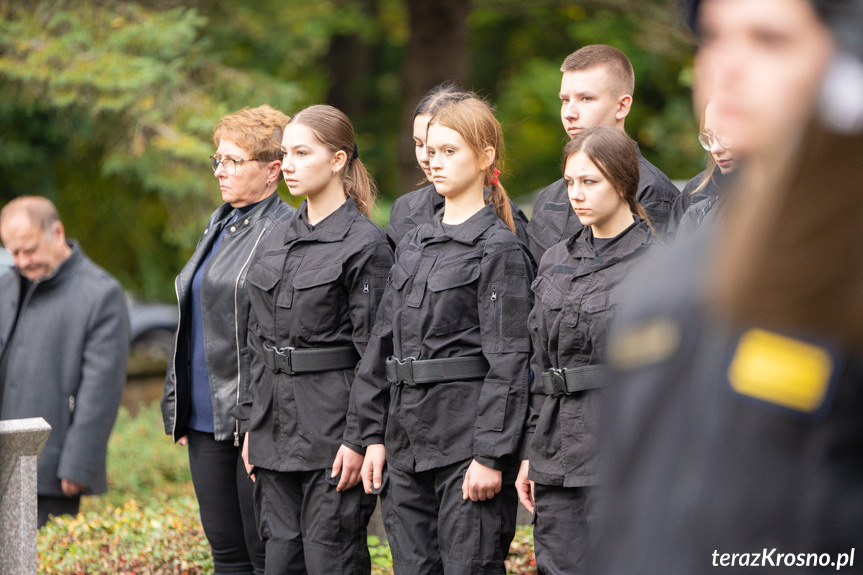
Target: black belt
x,y
412,371
557,382
290,360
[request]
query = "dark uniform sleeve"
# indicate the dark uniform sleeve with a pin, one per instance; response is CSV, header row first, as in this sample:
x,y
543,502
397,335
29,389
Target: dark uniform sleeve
x,y
656,194
242,412
370,392
396,229
103,375
504,304
365,282
539,362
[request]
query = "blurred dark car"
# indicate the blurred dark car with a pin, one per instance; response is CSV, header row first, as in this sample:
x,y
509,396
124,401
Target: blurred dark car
x,y
152,330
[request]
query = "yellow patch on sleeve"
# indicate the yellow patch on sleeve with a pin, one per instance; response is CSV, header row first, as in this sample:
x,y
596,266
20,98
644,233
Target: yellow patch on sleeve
x,y
781,370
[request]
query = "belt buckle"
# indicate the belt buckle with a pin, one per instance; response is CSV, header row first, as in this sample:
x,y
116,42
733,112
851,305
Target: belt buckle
x,y
281,358
405,371
558,382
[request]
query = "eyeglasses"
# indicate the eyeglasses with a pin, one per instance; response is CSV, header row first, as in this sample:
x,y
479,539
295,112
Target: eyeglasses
x,y
229,164
706,140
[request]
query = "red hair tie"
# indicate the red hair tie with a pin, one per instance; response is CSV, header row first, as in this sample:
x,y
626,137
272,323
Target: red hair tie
x,y
495,180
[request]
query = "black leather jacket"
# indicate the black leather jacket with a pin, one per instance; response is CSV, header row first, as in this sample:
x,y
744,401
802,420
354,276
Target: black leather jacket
x,y
224,313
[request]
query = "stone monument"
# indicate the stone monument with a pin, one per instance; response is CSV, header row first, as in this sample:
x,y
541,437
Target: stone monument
x,y
21,443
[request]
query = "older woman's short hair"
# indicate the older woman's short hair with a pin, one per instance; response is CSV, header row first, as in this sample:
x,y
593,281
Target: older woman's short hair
x,y
256,130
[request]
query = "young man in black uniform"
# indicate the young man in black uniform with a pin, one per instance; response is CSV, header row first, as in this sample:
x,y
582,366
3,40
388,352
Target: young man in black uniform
x,y
596,90
733,434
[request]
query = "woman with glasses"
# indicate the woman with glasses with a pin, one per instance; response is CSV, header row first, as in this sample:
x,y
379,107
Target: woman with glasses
x,y
703,191
209,374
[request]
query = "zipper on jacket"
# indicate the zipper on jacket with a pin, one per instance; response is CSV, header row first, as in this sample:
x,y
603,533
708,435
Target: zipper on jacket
x,y
237,331
494,307
365,286
174,358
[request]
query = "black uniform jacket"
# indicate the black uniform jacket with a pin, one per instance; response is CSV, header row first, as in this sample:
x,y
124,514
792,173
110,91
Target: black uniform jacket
x,y
576,292
420,206
694,467
690,209
554,221
310,288
225,315
460,293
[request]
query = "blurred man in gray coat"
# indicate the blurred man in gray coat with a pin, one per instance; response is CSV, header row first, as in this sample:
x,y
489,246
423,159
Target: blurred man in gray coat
x,y
64,333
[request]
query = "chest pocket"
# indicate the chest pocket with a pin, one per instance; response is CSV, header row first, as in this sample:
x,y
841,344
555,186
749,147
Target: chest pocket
x,y
597,312
454,301
320,296
400,276
548,293
266,290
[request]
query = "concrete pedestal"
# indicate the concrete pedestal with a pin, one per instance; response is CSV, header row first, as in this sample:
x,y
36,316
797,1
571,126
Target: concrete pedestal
x,y
21,443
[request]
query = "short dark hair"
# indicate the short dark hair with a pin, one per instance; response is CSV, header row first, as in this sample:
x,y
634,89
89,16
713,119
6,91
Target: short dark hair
x,y
615,62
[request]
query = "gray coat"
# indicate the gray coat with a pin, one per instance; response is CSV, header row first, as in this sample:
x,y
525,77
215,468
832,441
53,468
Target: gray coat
x,y
67,364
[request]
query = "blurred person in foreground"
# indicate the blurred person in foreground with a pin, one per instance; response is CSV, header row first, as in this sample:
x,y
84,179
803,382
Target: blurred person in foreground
x,y
64,340
733,435
209,371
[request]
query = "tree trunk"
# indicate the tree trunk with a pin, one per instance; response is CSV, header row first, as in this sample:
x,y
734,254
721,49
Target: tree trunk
x,y
437,51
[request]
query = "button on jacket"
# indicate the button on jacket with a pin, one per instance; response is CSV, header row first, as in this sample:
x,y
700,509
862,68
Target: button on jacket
x,y
67,364
462,292
310,288
576,291
419,206
224,314
553,219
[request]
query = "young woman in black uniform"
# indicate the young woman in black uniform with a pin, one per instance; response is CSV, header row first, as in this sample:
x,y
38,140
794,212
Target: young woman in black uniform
x,y
314,286
702,192
575,294
442,391
419,206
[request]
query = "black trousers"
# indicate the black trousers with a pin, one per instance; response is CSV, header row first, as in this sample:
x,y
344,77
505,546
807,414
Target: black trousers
x,y
309,527
56,506
433,530
224,494
563,519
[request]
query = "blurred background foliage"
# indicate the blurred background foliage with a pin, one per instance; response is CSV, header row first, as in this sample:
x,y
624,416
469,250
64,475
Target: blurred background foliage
x,y
107,106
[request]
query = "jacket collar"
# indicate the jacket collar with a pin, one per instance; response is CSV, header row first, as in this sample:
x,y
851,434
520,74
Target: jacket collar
x,y
65,268
332,228
427,200
225,212
467,232
580,245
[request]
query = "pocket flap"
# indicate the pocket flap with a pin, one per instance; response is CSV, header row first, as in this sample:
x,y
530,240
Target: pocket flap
x,y
263,276
451,277
596,302
306,278
400,276
549,294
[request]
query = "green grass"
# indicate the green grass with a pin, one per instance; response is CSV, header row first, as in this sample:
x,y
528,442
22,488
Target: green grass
x,y
148,522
